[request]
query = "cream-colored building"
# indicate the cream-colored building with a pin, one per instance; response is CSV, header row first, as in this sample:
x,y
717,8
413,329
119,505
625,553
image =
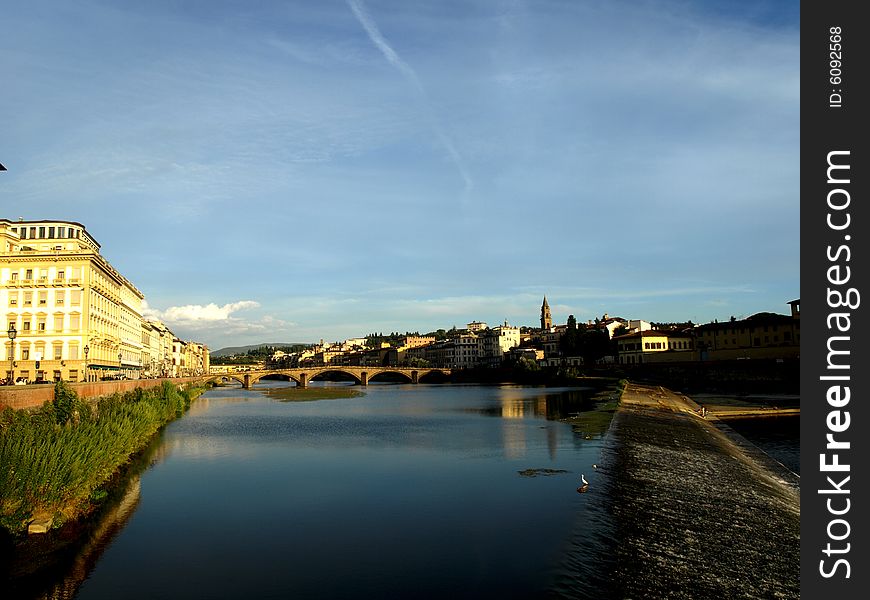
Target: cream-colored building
x,y
655,346
75,315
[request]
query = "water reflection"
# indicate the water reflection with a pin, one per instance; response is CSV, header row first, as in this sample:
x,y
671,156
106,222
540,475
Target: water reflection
x,y
408,491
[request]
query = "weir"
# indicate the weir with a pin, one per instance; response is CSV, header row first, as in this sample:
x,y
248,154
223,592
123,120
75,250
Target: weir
x,y
711,518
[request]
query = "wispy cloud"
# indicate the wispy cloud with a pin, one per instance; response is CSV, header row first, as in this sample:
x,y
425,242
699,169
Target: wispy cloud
x,y
380,42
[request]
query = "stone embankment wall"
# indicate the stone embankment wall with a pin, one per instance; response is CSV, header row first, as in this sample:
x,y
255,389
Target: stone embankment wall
x,y
35,395
737,376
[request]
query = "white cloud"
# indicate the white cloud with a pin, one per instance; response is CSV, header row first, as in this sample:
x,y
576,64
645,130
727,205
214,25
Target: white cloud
x,y
209,313
218,325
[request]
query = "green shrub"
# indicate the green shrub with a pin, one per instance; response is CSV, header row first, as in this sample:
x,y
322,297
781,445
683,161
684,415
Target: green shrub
x,y
55,459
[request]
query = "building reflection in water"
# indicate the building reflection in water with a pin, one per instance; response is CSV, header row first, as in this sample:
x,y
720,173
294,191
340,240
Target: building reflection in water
x,y
111,523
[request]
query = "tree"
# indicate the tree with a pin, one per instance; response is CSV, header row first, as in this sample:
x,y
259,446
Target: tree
x,y
595,344
569,344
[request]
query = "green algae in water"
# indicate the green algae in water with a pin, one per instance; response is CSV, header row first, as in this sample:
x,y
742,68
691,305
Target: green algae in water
x,y
295,394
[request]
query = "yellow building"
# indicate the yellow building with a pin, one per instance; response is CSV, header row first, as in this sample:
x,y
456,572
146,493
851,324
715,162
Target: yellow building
x,y
74,314
762,335
654,346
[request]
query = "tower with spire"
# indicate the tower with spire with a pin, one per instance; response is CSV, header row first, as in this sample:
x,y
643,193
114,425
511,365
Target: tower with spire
x,y
546,319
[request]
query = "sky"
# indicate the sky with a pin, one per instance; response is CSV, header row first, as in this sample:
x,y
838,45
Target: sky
x,y
286,171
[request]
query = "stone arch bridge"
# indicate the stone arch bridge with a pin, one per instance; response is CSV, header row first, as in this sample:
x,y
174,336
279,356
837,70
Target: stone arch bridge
x,y
302,377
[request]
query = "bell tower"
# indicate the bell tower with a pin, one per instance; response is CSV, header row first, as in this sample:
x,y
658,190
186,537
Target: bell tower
x,y
546,319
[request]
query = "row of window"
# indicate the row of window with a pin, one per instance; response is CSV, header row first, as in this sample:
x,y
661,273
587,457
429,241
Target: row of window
x,y
74,273
47,232
38,352
756,341
26,298
736,330
27,323
676,345
41,375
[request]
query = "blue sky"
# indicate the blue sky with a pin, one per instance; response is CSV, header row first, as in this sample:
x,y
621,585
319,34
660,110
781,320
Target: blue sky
x,y
290,171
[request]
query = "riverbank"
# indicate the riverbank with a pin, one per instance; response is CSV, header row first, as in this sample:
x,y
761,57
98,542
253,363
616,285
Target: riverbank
x,y
56,461
697,514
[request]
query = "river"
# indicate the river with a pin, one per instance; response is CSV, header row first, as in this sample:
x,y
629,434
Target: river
x,y
420,491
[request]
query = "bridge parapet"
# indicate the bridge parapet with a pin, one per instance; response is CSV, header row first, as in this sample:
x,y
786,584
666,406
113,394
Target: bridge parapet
x,y
303,376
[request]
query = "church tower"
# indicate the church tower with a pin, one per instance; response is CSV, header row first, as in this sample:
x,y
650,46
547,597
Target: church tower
x,y
546,319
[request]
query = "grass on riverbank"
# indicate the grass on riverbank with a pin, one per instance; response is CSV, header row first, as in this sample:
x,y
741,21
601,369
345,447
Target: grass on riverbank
x,y
296,394
54,460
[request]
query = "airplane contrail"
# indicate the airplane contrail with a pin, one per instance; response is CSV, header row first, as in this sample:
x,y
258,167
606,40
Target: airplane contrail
x,y
377,38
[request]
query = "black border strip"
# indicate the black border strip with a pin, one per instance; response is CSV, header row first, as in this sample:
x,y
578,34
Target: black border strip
x,y
833,262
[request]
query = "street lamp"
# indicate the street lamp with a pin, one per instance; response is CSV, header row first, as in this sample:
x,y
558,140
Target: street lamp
x,y
120,356
12,335
87,375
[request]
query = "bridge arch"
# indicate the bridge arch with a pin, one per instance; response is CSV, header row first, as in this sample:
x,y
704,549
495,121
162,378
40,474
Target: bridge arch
x,y
376,372
323,370
259,376
237,377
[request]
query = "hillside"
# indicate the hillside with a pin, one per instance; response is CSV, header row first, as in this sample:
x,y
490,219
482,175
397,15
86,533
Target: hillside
x,y
235,350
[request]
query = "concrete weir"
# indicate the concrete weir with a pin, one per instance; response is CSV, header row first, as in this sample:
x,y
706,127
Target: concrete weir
x,y
698,514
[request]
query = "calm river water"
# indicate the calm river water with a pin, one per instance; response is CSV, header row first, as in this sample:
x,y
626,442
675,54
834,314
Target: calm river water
x,y
406,492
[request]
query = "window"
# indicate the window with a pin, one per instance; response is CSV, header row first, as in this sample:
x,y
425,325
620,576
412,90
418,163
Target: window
x,y
28,298
58,322
73,352
25,354
28,274
13,299
75,297
74,322
58,352
25,326
61,273
43,298
51,232
40,324
61,232
42,232
15,276
73,375
59,296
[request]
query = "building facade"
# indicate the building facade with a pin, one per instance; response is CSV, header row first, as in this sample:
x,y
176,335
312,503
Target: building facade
x,y
75,317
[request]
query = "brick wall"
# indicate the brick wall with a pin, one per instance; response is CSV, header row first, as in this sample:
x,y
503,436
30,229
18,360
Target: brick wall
x,y
35,395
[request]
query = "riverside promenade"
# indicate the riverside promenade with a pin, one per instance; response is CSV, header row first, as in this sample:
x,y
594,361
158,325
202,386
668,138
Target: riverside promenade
x,y
700,512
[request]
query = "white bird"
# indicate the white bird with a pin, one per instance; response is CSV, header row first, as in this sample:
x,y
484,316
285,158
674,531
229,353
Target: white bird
x,y
584,485
583,479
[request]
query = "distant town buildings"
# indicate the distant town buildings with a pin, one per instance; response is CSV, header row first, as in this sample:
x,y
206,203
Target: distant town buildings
x,y
74,316
626,342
